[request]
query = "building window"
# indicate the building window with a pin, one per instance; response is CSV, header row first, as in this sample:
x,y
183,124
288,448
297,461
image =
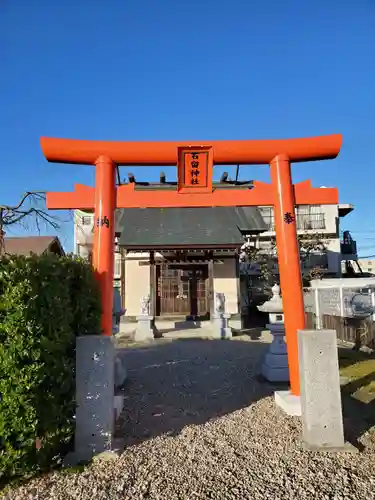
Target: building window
x,y
308,217
268,217
87,220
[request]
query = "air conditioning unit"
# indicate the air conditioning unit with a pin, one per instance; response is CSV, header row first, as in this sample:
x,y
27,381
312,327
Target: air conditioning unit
x,y
117,267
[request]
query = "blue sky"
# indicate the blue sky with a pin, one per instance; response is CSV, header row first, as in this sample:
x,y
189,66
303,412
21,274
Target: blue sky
x,y
186,70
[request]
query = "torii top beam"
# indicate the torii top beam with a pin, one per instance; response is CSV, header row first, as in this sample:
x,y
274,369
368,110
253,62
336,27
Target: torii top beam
x,y
246,152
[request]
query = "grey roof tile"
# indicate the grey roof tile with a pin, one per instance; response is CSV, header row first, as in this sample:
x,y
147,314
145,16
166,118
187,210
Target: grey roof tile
x,y
186,226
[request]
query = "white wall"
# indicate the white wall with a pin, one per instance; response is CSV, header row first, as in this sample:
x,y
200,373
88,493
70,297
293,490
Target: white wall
x,y
331,214
83,233
137,284
367,265
225,282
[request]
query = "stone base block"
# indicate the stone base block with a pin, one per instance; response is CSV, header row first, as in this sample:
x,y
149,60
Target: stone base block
x,y
220,327
95,360
346,448
289,403
235,323
276,360
222,333
145,329
322,421
126,329
274,373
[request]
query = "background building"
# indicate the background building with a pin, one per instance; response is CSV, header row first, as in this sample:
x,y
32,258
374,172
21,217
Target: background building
x,y
367,265
321,222
28,245
181,257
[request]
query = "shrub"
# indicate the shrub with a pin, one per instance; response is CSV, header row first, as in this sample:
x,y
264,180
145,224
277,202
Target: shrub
x,y
44,303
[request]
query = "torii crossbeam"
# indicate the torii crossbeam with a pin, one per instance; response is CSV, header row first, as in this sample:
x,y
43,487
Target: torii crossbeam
x,y
195,161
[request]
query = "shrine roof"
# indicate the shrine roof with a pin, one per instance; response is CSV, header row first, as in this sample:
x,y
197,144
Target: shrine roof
x,y
187,227
27,245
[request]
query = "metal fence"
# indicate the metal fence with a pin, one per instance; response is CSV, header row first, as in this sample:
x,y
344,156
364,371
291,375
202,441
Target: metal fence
x,y
303,221
357,331
334,308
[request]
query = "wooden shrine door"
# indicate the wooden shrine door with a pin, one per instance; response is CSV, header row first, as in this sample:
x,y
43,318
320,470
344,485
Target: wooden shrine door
x,y
182,291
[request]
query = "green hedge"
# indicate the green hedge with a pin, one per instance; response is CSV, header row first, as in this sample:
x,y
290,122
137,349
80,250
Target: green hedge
x,y
44,303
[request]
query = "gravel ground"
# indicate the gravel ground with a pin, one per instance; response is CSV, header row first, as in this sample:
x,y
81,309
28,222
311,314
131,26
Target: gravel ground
x,y
198,424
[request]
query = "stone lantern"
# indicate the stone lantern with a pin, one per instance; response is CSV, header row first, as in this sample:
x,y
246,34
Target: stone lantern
x,y
145,322
220,318
275,364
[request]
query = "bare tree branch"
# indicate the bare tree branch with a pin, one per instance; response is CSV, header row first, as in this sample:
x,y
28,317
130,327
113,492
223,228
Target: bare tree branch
x,y
31,208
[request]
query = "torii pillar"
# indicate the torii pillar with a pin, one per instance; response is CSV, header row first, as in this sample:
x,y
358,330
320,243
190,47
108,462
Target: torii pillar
x,y
195,166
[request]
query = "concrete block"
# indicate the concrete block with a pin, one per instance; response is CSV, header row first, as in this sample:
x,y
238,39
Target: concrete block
x,y
289,403
144,330
94,395
322,422
220,327
235,323
126,329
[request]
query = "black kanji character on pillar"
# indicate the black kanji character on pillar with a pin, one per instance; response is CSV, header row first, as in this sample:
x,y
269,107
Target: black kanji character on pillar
x,y
195,172
102,222
195,156
288,218
194,180
195,164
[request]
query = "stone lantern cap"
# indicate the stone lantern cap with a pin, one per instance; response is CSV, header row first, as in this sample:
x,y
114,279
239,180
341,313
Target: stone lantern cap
x,y
275,304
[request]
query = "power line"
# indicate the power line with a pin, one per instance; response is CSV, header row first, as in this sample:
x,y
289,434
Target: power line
x,y
363,231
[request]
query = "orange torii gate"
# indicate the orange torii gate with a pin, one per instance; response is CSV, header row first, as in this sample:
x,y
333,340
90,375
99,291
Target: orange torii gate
x,y
195,163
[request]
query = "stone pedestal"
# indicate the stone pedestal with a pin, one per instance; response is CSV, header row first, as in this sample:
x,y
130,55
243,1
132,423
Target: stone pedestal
x,y
275,364
322,422
95,356
145,328
221,329
220,319
235,322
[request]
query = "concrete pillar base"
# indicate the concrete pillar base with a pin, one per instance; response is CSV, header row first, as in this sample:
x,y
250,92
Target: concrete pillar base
x,y
346,448
95,415
221,328
145,329
235,323
289,403
322,421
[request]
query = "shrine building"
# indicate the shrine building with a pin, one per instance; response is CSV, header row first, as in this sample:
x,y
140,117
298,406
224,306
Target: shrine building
x,y
180,257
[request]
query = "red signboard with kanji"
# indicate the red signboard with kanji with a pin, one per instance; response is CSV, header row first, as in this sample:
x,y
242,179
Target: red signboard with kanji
x,y
195,165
